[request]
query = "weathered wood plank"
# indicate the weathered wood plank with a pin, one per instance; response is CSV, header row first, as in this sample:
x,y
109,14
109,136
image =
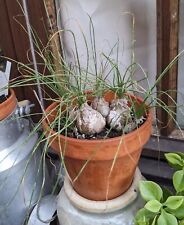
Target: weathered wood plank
x,y
156,171
167,49
20,36
7,43
158,146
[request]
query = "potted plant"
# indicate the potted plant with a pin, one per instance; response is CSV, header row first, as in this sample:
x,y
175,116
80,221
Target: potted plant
x,y
100,161
99,134
97,127
163,206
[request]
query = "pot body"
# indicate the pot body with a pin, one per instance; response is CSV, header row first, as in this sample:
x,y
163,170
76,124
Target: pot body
x,y
21,174
100,169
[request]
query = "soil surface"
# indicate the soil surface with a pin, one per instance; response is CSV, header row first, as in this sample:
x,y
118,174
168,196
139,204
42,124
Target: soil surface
x,y
73,132
106,133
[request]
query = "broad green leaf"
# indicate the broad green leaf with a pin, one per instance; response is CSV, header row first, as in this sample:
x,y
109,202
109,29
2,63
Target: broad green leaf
x,y
181,154
166,219
181,222
178,213
153,206
175,160
143,217
178,181
150,191
174,202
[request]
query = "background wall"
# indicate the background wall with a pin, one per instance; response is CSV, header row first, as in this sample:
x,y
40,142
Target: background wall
x,y
112,23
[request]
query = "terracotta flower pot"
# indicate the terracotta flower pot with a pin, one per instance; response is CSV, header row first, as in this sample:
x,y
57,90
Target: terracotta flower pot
x,y
8,106
104,168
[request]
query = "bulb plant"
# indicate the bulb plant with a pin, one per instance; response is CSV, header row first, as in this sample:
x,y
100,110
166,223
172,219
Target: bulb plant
x,y
162,206
90,114
71,83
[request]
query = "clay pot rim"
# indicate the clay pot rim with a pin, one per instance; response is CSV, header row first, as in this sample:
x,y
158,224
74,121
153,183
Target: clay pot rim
x,y
7,107
97,141
9,99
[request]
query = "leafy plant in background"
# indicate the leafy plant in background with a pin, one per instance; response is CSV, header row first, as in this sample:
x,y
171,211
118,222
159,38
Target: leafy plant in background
x,y
163,207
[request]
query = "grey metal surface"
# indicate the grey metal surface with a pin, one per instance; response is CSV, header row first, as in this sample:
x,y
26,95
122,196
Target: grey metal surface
x,y
11,129
43,212
70,215
73,209
21,170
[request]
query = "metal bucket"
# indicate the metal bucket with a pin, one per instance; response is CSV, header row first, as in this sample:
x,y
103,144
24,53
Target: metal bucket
x,y
21,170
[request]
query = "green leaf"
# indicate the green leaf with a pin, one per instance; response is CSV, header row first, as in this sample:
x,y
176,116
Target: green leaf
x,y
166,219
178,181
144,217
174,202
178,213
181,222
153,206
175,160
166,193
154,220
181,154
150,191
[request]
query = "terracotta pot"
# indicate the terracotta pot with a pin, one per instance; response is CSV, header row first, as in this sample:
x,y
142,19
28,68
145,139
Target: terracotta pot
x,y
8,106
104,168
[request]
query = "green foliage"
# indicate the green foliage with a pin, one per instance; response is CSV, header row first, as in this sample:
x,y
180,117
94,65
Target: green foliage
x,y
175,160
150,191
166,193
178,181
179,212
166,219
181,222
174,202
144,216
162,207
153,206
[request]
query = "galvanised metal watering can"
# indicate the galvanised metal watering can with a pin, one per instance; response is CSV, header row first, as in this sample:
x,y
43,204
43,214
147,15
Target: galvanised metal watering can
x,y
21,170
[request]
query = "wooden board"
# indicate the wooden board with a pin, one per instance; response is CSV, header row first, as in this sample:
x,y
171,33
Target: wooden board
x,y
7,43
15,41
167,49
